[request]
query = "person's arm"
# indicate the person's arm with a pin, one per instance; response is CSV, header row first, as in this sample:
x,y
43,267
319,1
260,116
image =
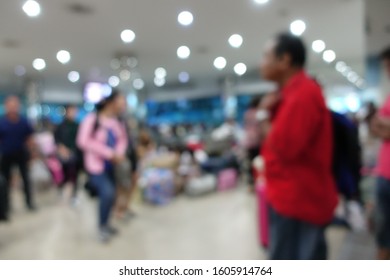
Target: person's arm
x,y
380,127
86,142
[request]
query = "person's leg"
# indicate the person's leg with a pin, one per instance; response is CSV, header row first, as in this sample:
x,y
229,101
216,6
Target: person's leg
x,y
283,237
6,165
22,162
311,243
106,192
382,223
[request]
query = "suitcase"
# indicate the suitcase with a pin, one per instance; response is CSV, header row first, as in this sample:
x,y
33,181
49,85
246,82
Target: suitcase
x,y
262,215
55,168
227,179
160,186
201,185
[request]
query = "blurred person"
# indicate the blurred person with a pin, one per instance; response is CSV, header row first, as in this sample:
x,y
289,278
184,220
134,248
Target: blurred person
x,y
16,143
298,154
102,139
252,134
126,172
380,126
69,155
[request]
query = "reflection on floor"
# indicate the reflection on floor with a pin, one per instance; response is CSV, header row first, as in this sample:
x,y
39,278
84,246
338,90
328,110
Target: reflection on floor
x,y
219,226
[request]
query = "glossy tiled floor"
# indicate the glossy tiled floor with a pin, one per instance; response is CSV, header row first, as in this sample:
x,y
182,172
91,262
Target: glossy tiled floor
x,y
218,226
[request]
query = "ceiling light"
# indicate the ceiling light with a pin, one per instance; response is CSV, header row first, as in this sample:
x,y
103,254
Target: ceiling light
x,y
341,66
159,82
240,69
125,75
318,46
346,71
220,63
360,83
353,77
63,56
115,64
236,40
113,81
298,27
138,84
261,2
39,64
128,36
160,73
185,18
74,76
329,56
184,77
32,8
20,70
183,52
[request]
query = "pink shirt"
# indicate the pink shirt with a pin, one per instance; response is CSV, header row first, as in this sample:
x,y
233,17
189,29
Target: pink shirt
x,y
383,167
93,144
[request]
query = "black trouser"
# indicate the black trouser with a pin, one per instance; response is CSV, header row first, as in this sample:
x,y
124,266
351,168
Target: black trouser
x,y
21,161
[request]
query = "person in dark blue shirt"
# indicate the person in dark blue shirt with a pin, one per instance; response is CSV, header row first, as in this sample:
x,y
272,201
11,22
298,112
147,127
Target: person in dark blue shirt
x,y
15,144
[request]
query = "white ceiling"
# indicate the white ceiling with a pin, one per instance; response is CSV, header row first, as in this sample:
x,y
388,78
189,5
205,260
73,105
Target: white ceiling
x,y
94,39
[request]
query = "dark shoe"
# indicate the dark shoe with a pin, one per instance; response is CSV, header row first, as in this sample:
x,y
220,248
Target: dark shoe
x,y
112,231
31,208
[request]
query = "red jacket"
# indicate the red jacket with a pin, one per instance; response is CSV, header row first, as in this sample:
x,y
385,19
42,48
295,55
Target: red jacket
x,y
298,154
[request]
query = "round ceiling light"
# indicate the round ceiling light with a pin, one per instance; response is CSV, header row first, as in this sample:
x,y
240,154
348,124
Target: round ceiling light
x,y
183,52
63,56
39,64
114,81
240,69
74,76
128,36
184,77
220,63
329,56
236,40
32,8
298,27
318,46
159,82
160,73
185,18
138,84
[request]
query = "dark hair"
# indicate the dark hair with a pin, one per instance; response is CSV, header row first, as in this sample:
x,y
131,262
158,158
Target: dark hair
x,y
103,103
385,55
287,43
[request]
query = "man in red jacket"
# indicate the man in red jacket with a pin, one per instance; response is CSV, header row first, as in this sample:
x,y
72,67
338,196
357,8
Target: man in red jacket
x,y
298,154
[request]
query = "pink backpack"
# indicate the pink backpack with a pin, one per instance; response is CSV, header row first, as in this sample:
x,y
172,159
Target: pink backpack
x,y
227,179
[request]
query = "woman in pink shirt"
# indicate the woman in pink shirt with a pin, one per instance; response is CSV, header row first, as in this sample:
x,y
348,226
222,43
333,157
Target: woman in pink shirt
x,y
103,141
380,126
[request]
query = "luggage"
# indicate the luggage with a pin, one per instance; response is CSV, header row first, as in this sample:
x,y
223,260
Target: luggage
x,y
55,168
227,179
201,185
262,212
159,186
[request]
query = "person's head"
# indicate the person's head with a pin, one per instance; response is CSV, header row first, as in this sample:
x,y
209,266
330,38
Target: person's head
x,y
385,55
112,104
12,106
71,112
283,55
